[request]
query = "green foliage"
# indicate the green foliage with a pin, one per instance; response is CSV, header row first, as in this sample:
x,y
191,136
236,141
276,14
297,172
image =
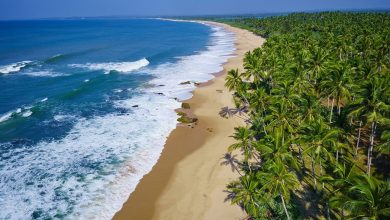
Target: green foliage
x,y
185,119
185,105
316,100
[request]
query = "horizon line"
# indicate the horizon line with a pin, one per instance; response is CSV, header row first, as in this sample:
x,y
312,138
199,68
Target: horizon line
x,y
384,10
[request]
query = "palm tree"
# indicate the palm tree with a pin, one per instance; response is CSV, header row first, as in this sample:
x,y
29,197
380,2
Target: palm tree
x,y
244,136
318,140
252,65
272,148
233,79
366,197
307,59
245,193
277,180
280,117
317,62
259,100
309,107
372,108
338,85
384,148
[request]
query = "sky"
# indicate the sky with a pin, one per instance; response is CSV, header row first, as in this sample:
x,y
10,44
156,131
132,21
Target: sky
x,y
33,9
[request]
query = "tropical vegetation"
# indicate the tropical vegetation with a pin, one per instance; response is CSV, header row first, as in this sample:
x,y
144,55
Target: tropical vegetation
x,y
315,98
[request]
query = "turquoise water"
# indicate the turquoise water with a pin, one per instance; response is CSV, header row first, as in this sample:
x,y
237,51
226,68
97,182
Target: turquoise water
x,y
86,106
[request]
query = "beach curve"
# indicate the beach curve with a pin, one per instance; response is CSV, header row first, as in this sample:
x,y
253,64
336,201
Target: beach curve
x,y
188,181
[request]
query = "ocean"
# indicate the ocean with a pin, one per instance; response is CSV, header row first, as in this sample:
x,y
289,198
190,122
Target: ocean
x,y
86,106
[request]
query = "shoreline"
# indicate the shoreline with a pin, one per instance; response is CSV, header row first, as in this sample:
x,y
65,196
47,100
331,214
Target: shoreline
x,y
188,180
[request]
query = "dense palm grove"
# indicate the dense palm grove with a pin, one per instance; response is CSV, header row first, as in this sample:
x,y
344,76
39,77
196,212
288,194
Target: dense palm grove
x,y
316,102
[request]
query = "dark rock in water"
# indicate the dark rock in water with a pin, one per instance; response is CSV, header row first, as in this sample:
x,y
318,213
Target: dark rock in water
x,y
160,93
161,85
122,110
135,106
114,98
113,71
185,83
197,84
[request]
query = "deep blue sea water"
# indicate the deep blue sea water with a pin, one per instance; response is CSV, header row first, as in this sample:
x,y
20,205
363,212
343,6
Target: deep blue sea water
x,y
86,106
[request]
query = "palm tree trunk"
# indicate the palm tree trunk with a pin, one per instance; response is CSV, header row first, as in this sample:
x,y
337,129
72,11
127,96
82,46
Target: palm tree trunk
x,y
331,111
323,186
284,206
358,139
302,159
313,172
338,107
337,155
327,105
327,211
369,157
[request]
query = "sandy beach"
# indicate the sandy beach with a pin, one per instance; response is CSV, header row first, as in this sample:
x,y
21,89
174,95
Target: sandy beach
x,y
188,181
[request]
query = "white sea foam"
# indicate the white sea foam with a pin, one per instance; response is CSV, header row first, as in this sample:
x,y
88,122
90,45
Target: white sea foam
x,y
136,138
44,99
6,116
14,67
195,68
45,73
65,117
56,177
123,67
24,112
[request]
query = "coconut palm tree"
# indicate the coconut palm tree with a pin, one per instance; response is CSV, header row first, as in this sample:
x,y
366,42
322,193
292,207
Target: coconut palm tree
x,y
310,61
384,148
365,197
233,79
338,85
318,140
245,193
279,117
372,108
317,62
272,148
276,181
245,139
